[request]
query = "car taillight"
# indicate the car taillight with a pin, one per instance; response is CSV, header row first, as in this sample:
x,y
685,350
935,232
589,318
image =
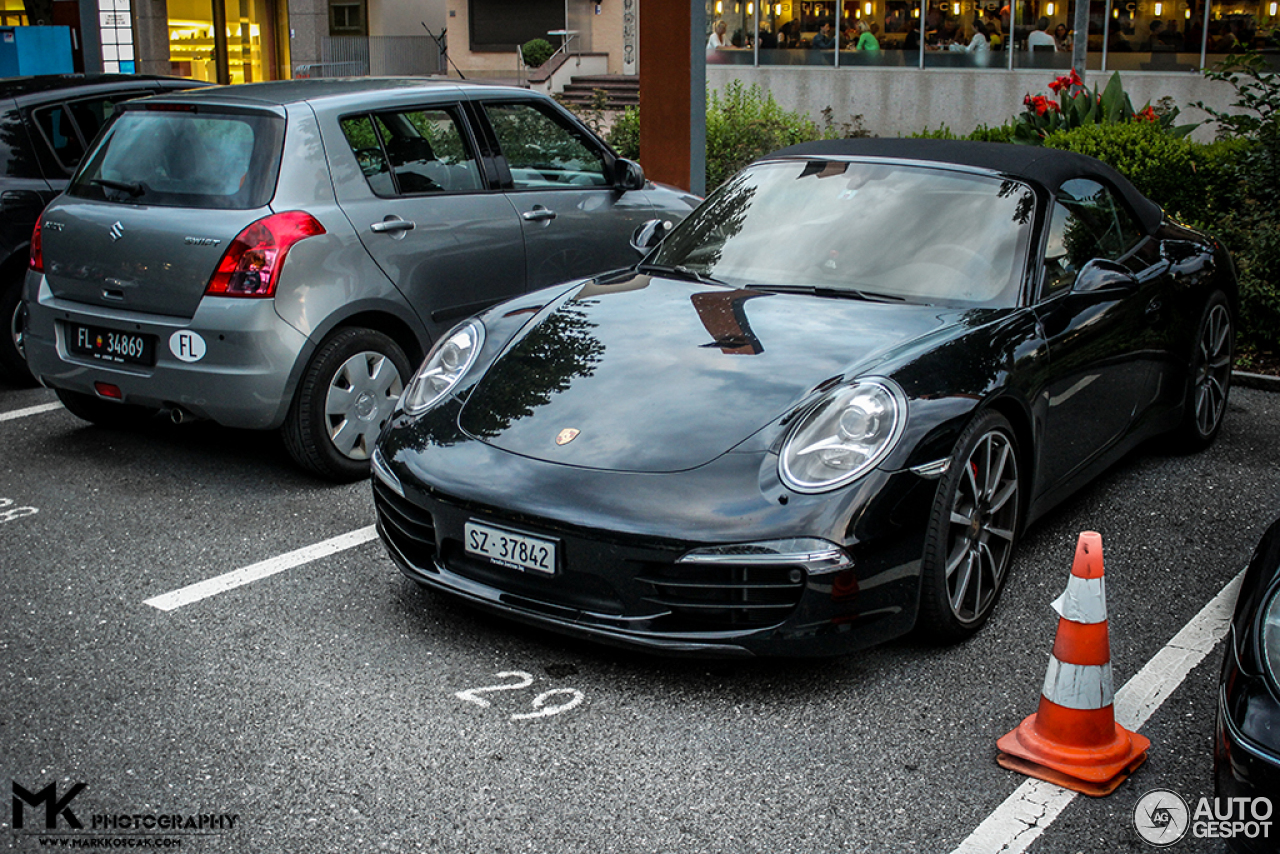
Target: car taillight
x,y
37,251
251,265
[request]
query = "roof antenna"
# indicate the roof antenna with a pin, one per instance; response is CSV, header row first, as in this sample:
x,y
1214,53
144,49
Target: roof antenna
x,y
443,47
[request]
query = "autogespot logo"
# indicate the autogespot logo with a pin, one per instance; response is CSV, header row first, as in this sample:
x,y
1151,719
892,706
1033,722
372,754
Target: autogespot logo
x,y
1161,817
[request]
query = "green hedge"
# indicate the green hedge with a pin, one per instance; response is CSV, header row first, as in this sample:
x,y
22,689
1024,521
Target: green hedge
x,y
743,123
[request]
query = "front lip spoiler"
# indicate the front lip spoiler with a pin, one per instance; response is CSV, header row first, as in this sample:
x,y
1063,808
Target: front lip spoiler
x,y
490,599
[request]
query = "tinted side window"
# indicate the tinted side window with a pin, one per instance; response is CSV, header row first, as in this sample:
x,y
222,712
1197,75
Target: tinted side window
x,y
1088,222
413,152
59,131
367,148
91,114
543,153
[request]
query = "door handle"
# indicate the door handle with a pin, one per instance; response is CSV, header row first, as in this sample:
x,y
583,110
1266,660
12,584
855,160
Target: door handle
x,y
539,214
392,225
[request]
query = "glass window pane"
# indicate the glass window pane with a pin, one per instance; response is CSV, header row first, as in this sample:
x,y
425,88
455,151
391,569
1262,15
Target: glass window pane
x,y
92,113
58,130
541,152
364,143
426,153
1098,226
914,233
181,159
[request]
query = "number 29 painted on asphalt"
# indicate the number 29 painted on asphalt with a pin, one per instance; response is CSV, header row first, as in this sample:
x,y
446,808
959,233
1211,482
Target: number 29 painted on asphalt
x,y
524,680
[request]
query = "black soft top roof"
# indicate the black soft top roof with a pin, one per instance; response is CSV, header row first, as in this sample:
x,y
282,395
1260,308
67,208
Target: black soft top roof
x,y
1048,167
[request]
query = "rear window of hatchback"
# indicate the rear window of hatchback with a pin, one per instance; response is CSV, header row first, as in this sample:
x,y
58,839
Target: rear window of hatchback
x,y
173,156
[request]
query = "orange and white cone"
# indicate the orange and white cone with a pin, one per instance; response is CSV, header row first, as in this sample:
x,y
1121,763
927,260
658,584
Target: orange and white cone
x,y
1073,739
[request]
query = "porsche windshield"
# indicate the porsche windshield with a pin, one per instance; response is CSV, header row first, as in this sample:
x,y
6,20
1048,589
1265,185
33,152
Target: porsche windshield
x,y
875,229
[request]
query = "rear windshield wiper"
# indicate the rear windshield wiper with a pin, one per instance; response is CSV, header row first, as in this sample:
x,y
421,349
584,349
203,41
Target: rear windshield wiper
x,y
679,272
838,293
134,189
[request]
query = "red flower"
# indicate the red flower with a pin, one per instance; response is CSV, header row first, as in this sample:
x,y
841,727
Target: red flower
x,y
1147,115
1067,81
1040,104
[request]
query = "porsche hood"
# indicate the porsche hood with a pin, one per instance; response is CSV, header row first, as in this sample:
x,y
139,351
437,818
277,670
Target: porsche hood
x,y
658,375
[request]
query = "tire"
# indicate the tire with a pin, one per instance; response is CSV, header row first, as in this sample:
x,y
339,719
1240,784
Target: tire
x,y
13,365
1209,378
105,413
346,397
973,531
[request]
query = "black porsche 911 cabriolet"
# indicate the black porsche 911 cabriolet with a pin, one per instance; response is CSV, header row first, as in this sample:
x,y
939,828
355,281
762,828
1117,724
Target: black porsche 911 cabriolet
x,y
820,411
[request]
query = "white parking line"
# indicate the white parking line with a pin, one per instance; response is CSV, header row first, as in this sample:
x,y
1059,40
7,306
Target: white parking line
x,y
1035,804
30,410
246,575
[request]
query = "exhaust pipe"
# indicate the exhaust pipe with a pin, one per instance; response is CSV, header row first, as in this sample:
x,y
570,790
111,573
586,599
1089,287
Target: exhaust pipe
x,y
178,415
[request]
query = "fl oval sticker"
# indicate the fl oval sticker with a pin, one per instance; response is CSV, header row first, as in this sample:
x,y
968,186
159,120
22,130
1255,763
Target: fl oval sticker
x,y
187,345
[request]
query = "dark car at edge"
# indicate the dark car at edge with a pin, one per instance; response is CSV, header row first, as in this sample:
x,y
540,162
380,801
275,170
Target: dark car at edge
x,y
47,122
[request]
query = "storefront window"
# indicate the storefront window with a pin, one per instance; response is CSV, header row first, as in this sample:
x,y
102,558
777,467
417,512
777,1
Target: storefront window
x,y
12,13
250,40
1122,35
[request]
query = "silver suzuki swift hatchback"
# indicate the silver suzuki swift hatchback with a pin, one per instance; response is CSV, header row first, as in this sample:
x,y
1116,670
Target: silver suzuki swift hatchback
x,y
280,255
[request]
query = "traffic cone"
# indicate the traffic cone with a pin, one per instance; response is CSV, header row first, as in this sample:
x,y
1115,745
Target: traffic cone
x,y
1073,739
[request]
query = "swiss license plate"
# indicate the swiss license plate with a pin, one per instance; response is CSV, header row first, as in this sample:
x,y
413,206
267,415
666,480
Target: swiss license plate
x,y
507,548
108,345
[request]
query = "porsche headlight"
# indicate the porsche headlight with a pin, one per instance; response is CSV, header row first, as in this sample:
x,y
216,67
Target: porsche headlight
x,y
1271,638
844,436
450,359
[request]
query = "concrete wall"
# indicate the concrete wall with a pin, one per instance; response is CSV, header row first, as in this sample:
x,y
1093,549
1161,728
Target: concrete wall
x,y
405,19
901,101
308,24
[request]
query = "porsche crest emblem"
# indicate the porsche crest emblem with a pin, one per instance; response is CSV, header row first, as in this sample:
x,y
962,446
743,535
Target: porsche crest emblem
x,y
566,436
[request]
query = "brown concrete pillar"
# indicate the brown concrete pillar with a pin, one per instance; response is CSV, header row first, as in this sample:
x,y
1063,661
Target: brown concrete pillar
x,y
673,92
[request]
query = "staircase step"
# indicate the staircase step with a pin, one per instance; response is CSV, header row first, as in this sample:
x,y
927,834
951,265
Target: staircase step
x,y
620,90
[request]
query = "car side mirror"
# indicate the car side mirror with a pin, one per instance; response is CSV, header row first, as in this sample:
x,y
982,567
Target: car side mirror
x,y
650,234
628,175
1102,275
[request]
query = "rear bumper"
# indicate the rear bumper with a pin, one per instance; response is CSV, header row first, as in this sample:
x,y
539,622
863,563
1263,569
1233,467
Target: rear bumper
x,y
243,378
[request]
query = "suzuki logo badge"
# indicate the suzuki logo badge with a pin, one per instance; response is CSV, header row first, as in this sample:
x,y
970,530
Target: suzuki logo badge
x,y
566,436
117,231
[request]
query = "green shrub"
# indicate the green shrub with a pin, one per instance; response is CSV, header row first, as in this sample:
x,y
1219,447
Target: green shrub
x,y
624,136
743,123
1182,176
982,133
536,52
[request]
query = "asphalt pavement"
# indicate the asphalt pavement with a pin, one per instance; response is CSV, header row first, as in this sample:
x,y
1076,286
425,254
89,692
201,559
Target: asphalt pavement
x,y
332,706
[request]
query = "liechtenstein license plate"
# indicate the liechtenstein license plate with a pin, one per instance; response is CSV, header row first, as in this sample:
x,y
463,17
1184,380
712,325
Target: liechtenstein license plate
x,y
507,548
109,345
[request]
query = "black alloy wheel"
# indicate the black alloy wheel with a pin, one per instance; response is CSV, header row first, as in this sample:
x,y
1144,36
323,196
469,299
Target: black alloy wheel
x,y
345,398
1209,379
13,363
973,530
